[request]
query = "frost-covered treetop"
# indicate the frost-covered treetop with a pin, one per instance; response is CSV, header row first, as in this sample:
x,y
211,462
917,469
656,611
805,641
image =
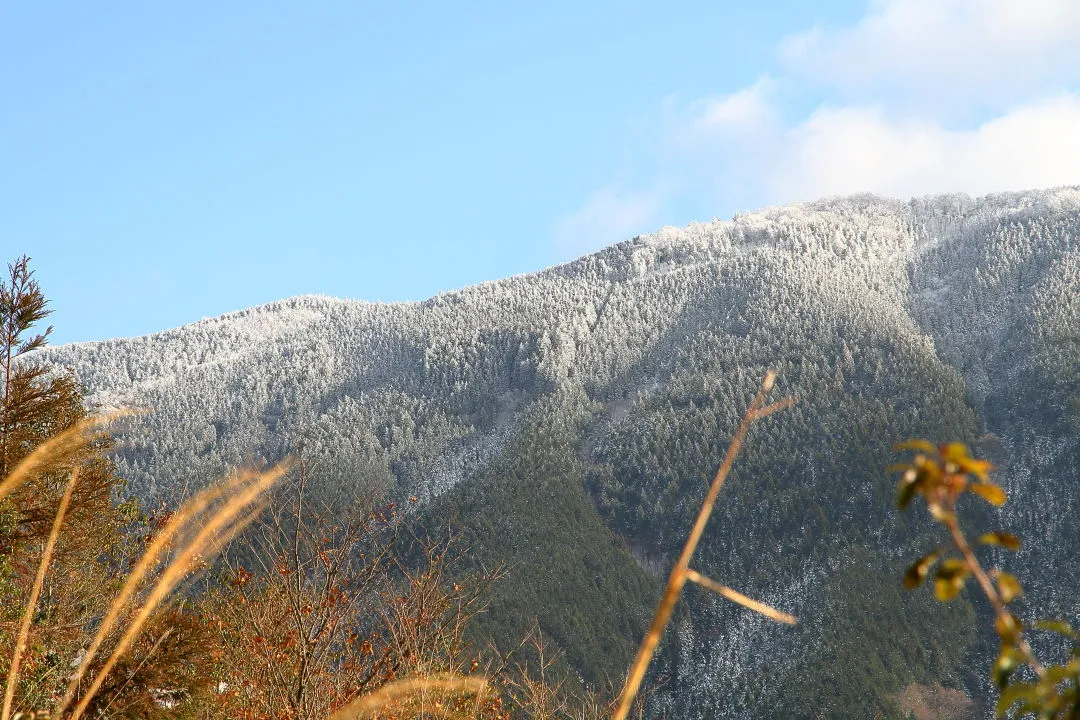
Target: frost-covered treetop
x,y
430,387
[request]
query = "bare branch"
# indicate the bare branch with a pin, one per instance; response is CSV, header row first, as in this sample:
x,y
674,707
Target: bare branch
x,y
679,574
737,597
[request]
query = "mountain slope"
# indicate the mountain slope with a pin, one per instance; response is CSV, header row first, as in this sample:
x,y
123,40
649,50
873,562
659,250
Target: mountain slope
x,y
943,317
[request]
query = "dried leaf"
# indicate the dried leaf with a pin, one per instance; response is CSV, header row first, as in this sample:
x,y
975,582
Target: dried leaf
x,y
989,492
916,574
1004,539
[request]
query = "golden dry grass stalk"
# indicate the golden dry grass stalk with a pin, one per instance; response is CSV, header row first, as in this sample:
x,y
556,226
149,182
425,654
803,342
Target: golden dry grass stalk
x,y
681,572
737,597
240,493
35,593
394,693
56,449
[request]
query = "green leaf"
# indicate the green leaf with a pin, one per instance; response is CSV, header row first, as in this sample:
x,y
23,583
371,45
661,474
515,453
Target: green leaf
x,y
1007,663
989,492
1025,693
1008,587
1057,673
1004,539
916,574
1056,626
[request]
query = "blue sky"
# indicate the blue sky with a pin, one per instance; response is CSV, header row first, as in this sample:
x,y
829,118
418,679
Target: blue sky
x,y
167,162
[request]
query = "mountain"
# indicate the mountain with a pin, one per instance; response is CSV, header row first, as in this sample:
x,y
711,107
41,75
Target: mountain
x,y
567,423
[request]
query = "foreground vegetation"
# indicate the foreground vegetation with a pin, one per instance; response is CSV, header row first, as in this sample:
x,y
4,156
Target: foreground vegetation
x,y
942,475
112,611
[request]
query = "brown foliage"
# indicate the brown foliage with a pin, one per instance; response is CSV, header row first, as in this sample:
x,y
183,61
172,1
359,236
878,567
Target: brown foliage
x,y
314,613
66,545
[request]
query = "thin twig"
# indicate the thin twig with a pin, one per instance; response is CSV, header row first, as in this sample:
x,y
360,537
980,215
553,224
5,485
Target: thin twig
x,y
989,590
140,666
680,573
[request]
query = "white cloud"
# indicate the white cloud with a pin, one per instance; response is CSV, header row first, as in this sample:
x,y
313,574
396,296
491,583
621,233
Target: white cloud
x,y
936,50
747,108
609,215
858,149
917,97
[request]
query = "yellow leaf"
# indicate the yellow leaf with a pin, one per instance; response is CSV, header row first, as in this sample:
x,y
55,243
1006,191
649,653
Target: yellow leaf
x,y
1004,539
1007,627
979,468
946,590
949,580
955,453
989,492
1007,662
916,574
920,445
1008,587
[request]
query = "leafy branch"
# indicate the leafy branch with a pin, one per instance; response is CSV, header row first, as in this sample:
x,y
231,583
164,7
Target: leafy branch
x,y
941,475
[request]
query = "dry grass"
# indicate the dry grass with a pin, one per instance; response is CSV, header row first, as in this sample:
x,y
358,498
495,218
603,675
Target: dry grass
x,y
195,532
240,493
35,593
423,694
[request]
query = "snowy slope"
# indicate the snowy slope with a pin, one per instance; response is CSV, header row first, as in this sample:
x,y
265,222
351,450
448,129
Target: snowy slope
x,y
941,317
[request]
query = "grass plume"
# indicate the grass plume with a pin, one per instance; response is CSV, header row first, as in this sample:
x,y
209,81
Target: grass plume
x,y
400,690
35,593
240,493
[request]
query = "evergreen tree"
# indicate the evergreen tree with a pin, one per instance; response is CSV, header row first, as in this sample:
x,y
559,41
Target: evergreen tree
x,y
97,543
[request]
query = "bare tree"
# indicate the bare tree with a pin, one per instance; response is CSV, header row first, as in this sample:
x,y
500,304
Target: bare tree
x,y
315,611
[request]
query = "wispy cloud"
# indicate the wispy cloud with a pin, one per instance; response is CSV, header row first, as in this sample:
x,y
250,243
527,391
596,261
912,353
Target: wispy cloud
x,y
918,96
609,215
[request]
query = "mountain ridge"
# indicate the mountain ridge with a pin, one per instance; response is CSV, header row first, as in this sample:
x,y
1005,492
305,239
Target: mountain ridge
x,y
607,386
